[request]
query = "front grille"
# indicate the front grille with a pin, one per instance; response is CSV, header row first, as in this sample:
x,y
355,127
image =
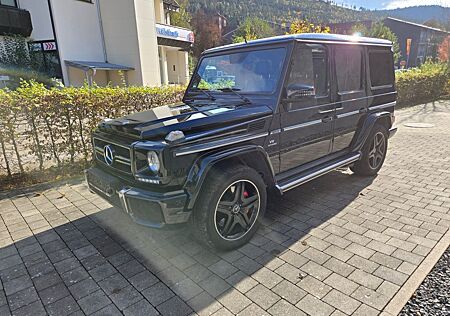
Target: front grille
x,y
121,154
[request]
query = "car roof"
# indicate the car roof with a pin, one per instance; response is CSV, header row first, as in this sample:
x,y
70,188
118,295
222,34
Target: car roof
x,y
307,37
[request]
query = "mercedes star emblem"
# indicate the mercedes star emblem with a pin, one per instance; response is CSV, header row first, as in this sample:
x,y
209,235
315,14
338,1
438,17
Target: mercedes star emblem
x,y
109,155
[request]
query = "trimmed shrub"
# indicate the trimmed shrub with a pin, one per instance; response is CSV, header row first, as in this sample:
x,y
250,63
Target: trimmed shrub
x,y
42,128
423,84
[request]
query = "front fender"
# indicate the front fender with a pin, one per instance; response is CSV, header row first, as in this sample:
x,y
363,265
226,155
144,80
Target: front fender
x,y
252,155
367,127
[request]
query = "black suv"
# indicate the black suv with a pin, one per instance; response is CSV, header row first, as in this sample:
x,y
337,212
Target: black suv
x,y
265,115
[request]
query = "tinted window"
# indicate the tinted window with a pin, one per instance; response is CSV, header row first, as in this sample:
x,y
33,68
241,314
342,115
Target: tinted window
x,y
349,66
309,68
253,71
11,3
381,68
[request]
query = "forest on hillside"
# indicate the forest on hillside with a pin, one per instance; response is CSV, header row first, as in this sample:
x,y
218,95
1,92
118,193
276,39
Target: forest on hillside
x,y
279,11
315,11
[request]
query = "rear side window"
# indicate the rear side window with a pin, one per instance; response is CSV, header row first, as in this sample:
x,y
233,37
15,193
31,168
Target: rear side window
x,y
349,68
381,68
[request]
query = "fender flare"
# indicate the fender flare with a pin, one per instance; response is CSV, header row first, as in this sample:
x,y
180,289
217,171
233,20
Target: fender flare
x,y
204,164
367,127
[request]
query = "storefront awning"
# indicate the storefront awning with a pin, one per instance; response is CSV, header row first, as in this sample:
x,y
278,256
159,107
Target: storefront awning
x,y
174,43
96,65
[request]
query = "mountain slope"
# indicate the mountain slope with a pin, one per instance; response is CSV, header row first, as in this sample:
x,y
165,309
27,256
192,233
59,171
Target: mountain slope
x,y
419,14
317,11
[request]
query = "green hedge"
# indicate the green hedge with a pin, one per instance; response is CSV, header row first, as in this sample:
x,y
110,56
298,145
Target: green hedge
x,y
429,82
42,128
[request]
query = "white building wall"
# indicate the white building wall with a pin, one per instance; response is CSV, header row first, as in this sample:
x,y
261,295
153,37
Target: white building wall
x,y
148,43
78,34
40,19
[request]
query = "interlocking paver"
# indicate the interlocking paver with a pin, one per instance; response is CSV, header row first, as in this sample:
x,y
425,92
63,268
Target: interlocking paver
x,y
284,308
314,286
65,306
313,306
365,279
289,292
342,284
33,309
341,301
316,270
174,307
262,296
94,302
83,288
157,294
141,308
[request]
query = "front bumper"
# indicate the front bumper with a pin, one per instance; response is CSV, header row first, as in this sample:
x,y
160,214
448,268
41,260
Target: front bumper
x,y
147,208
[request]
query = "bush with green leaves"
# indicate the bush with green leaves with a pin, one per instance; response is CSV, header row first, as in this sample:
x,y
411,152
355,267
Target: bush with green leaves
x,y
42,127
426,83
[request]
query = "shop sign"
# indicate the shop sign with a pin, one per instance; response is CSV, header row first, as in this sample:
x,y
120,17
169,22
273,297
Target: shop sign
x,y
179,34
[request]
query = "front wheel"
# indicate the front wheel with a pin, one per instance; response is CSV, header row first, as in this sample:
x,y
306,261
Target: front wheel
x,y
373,153
230,207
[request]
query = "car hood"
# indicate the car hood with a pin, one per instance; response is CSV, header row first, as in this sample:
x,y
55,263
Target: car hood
x,y
160,121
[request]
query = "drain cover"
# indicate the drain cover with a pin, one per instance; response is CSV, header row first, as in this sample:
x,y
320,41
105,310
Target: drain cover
x,y
419,125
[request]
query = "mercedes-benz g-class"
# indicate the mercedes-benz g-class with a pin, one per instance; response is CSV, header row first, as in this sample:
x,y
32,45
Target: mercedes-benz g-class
x,y
267,115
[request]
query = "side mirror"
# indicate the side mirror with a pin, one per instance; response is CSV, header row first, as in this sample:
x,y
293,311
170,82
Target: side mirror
x,y
298,90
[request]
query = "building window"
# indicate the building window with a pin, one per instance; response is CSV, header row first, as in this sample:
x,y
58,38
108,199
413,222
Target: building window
x,y
381,68
349,68
9,3
45,56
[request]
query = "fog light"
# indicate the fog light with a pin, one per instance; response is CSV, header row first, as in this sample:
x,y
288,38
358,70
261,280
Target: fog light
x,y
153,161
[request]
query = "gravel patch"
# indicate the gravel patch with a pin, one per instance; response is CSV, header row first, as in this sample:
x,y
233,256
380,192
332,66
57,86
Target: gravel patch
x,y
433,295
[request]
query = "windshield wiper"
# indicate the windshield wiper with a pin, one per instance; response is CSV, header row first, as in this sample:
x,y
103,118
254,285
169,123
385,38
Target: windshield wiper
x,y
205,92
234,90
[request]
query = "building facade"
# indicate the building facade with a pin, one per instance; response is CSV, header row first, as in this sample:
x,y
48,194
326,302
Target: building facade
x,y
417,42
105,41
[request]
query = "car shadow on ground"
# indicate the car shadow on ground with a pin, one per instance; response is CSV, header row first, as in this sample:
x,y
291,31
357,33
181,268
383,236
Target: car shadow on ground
x,y
127,266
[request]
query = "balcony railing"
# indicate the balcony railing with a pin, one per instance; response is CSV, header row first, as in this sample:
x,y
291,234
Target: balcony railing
x,y
15,21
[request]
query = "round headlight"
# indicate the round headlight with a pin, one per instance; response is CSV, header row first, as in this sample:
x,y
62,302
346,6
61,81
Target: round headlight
x,y
153,161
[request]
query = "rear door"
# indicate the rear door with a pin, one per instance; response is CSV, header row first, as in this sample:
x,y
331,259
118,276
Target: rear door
x,y
307,114
349,93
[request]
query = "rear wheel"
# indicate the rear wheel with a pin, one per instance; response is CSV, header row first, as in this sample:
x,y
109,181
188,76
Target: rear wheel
x,y
230,208
373,153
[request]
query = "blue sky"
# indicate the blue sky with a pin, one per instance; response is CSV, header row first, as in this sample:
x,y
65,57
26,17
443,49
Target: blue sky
x,y
392,4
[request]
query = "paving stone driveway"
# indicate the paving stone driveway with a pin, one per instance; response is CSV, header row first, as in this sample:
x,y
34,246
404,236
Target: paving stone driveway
x,y
338,245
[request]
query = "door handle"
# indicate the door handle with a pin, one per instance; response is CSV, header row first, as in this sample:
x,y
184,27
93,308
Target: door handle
x,y
338,109
326,111
327,119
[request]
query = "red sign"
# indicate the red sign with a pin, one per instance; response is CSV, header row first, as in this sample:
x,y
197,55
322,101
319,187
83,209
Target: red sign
x,y
49,46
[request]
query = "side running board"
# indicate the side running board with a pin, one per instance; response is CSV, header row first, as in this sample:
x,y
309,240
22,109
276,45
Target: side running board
x,y
296,181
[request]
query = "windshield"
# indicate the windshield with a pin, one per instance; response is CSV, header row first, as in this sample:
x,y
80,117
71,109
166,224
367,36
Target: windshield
x,y
253,71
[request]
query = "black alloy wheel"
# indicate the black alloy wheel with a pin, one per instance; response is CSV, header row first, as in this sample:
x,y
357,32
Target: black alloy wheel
x,y
237,210
229,210
377,150
373,153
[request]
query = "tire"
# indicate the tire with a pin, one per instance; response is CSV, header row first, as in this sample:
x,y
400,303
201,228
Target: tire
x,y
373,153
221,213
